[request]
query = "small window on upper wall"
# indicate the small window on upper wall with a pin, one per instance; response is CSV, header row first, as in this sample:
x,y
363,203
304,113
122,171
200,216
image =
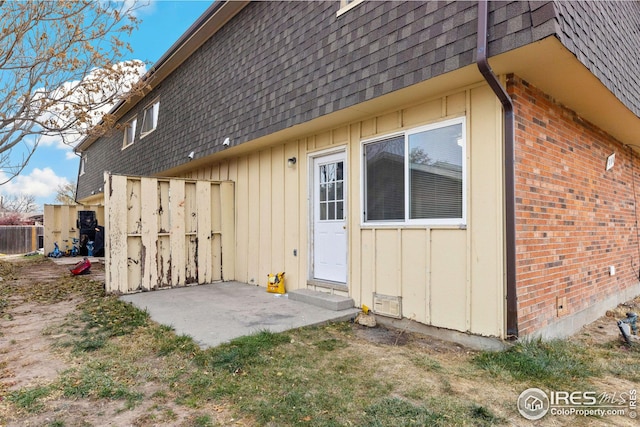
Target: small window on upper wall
x,y
346,5
83,162
150,118
129,133
417,177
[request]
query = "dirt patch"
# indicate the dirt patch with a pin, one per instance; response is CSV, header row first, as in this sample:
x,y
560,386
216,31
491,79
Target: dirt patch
x,y
31,329
26,356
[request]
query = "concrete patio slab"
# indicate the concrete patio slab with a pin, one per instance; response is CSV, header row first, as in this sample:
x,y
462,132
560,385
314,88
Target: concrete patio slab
x,y
216,313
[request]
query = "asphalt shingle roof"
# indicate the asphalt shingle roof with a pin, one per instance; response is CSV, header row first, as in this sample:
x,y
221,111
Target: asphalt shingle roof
x,y
276,65
605,37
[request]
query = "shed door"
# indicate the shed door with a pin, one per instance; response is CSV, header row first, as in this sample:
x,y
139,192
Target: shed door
x,y
329,225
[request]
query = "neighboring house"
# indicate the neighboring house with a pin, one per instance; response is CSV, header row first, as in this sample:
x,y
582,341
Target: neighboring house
x,y
410,188
8,217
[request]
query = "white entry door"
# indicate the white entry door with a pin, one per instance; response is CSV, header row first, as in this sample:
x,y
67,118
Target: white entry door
x,y
329,225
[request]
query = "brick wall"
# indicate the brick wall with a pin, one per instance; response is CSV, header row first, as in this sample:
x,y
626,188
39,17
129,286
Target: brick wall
x,y
574,219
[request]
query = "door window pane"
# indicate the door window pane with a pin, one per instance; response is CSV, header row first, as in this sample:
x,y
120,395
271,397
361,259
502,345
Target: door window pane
x,y
331,191
331,210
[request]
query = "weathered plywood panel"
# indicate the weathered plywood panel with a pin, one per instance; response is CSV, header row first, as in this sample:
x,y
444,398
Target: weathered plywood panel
x,y
448,305
190,207
168,232
134,207
215,246
163,259
216,258
178,251
149,229
204,232
191,260
116,253
163,206
135,258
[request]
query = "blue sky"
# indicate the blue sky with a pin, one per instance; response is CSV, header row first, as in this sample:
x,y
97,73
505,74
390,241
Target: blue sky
x,y
163,22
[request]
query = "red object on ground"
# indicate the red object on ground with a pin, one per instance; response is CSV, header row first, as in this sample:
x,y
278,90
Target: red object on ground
x,y
83,267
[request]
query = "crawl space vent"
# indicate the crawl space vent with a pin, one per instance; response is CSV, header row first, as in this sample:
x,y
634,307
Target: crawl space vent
x,y
387,305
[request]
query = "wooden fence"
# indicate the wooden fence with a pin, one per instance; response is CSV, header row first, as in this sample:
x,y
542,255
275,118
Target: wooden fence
x,y
20,239
167,232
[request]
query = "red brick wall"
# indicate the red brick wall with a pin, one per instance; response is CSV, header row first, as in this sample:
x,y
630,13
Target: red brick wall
x,y
574,219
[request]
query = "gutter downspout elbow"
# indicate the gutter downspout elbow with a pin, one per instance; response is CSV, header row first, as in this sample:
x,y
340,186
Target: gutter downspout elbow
x,y
509,169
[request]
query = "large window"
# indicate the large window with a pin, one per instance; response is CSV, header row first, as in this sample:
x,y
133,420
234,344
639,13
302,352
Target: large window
x,y
150,118
129,133
417,177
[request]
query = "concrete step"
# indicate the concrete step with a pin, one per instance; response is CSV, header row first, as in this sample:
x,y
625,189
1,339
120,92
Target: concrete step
x,y
322,299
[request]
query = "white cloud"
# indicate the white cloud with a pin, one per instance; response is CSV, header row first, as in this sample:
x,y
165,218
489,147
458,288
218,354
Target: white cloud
x,y
40,183
148,8
97,86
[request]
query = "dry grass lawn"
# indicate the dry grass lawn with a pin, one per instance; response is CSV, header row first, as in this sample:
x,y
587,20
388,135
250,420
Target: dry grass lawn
x,y
71,356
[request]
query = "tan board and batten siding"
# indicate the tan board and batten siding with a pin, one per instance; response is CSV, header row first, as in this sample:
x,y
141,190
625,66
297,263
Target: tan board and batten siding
x,y
449,277
167,232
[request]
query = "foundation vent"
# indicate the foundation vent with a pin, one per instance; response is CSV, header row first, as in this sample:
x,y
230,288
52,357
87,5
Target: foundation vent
x,y
387,305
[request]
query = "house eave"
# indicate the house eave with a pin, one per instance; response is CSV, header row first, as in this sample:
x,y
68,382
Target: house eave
x,y
546,64
551,67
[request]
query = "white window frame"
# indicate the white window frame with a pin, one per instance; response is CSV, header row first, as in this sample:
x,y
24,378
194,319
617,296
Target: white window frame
x,y
155,108
83,162
457,222
346,5
133,124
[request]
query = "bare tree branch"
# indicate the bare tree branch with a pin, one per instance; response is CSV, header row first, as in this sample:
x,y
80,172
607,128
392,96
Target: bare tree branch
x,y
22,203
66,194
61,71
